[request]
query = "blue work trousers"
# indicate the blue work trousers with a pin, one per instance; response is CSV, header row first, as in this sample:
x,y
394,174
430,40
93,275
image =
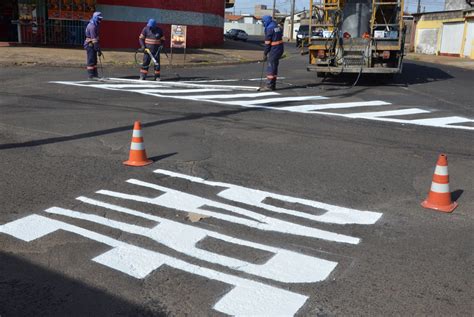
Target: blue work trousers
x,y
272,68
154,49
91,61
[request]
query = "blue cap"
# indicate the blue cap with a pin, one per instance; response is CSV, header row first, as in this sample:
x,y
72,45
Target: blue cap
x,y
96,17
266,19
151,23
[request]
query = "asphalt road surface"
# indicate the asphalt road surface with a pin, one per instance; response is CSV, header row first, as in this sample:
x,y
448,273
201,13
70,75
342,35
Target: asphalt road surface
x,y
301,201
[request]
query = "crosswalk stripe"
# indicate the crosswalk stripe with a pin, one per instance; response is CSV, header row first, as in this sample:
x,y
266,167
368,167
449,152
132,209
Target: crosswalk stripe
x,y
233,96
443,121
308,108
183,89
273,100
390,113
226,80
121,86
172,91
183,84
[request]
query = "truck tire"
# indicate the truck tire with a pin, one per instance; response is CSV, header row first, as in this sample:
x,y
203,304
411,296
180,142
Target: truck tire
x,y
321,74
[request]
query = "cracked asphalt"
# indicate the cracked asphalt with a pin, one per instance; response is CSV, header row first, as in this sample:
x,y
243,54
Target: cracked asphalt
x,y
60,142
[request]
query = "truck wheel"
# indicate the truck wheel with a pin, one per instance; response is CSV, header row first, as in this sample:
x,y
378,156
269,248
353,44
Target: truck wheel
x,y
321,74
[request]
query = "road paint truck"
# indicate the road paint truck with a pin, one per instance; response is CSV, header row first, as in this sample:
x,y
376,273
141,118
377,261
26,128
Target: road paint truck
x,y
356,36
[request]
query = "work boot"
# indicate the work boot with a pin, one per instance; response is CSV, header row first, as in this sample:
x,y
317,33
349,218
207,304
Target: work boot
x,y
266,88
156,78
142,76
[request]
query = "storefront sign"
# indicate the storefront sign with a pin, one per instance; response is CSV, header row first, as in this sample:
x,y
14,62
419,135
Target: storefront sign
x,y
71,9
178,36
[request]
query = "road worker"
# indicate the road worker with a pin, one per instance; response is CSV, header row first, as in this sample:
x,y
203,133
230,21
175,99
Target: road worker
x,y
91,44
151,41
273,50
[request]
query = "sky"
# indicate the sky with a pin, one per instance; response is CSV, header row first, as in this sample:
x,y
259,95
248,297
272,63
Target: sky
x,y
247,6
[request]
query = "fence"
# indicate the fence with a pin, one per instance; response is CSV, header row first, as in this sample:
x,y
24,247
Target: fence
x,y
36,28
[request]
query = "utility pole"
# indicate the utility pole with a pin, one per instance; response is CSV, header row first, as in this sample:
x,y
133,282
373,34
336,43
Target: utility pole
x,y
274,5
292,28
418,9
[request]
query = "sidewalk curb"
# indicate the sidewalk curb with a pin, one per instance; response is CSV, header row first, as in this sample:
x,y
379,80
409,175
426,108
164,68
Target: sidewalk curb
x,y
76,65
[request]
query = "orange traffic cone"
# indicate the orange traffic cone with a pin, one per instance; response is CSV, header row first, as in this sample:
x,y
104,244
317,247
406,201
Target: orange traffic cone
x,y
439,197
137,149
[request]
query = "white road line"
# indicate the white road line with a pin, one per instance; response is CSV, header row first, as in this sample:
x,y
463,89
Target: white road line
x,y
390,113
185,202
226,80
234,96
249,196
120,86
247,297
189,85
309,108
246,103
285,266
444,121
173,91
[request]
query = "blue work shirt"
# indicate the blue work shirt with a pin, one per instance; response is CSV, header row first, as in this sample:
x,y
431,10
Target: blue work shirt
x,y
151,36
92,35
273,39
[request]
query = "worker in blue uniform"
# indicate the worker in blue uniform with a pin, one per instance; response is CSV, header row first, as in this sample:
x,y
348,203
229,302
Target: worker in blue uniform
x,y
91,44
273,50
151,39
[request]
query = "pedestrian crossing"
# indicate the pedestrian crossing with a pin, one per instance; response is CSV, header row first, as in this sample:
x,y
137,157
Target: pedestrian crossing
x,y
249,97
257,288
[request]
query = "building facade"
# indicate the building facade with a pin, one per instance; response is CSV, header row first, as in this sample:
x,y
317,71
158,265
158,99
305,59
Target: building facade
x,y
62,22
249,23
449,33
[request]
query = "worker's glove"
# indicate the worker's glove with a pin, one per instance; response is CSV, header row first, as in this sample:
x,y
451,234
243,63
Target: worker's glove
x,y
99,52
265,58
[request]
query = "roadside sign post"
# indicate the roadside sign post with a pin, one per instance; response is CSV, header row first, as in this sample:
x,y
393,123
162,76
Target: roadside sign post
x,y
178,39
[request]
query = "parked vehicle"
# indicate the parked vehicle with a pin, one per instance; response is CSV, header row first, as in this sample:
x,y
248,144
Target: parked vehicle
x,y
236,34
302,35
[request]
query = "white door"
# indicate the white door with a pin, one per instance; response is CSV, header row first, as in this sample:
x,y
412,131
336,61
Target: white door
x,y
469,38
452,38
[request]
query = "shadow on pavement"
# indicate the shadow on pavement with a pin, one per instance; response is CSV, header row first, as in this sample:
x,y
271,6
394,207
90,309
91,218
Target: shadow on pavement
x,y
162,157
189,117
27,289
455,195
412,74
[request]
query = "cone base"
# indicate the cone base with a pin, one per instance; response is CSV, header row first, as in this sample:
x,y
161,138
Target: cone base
x,y
447,208
137,163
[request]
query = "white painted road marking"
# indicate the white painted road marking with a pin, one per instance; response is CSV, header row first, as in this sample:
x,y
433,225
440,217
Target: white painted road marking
x,y
285,266
390,113
183,202
333,214
164,90
247,297
235,96
343,105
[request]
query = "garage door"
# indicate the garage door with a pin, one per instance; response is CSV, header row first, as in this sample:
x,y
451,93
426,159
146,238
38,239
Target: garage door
x,y
452,38
469,38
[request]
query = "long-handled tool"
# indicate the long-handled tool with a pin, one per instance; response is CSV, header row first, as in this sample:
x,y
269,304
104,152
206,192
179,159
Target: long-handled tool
x,y
101,55
147,50
264,62
153,57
